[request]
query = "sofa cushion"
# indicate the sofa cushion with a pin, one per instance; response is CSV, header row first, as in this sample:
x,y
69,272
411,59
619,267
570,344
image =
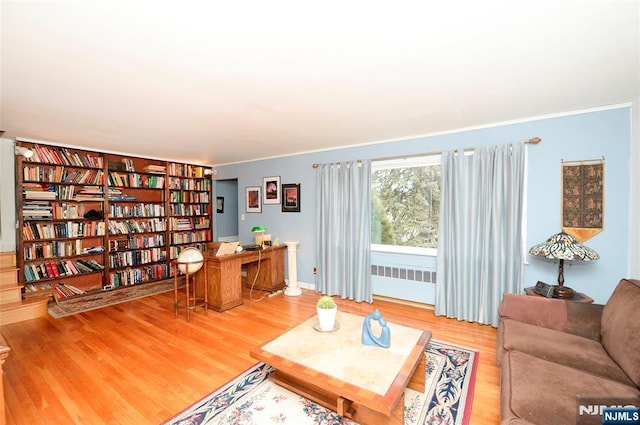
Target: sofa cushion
x,y
560,347
620,327
544,392
576,318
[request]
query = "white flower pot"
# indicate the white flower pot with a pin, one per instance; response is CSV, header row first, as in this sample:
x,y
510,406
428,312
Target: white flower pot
x,y
327,318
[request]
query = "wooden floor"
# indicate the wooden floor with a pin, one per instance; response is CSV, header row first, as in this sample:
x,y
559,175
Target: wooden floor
x,y
134,363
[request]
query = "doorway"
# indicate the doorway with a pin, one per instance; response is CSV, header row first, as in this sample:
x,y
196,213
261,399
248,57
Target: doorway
x,y
225,224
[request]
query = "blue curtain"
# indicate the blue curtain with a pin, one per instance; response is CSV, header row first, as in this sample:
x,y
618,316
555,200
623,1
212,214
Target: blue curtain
x,y
343,233
480,240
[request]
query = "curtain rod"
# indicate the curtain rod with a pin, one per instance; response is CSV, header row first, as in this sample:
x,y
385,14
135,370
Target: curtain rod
x,y
316,165
532,141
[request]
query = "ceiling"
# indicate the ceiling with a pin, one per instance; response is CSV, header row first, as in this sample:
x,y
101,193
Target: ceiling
x,y
218,82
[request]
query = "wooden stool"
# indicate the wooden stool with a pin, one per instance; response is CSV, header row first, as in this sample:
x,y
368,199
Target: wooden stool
x,y
191,301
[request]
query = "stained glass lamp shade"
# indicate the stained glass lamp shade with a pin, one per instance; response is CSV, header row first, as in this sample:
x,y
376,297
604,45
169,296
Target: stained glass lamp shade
x,y
562,246
190,260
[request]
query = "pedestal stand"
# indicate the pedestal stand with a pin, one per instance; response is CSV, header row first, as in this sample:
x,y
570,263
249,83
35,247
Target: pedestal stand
x,y
292,290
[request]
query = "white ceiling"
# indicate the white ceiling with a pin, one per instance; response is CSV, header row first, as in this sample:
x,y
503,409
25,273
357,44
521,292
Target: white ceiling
x,y
226,81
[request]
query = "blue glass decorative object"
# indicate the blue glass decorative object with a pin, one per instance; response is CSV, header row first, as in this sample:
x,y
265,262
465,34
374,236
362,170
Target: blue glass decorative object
x,y
369,338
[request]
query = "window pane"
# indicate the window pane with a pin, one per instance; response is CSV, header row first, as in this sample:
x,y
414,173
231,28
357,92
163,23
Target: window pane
x,y
406,203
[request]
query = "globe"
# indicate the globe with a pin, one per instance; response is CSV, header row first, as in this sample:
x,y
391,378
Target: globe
x,y
191,256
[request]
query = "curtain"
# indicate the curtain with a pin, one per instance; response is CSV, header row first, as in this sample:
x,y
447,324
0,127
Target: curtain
x,y
480,239
343,232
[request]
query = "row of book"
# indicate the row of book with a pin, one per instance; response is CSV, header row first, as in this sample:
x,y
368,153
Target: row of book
x,y
64,290
61,174
189,209
188,184
186,170
37,191
181,224
191,197
138,275
156,169
63,156
182,238
37,210
136,242
137,226
174,251
34,210
139,210
40,250
136,180
70,229
57,268
116,194
135,258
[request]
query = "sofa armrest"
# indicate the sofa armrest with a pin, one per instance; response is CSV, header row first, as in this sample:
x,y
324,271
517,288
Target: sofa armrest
x,y
575,318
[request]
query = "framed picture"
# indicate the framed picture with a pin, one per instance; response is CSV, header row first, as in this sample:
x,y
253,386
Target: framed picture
x,y
220,204
271,190
291,197
253,199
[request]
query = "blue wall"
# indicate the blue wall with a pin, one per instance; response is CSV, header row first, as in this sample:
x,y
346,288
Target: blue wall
x,y
583,136
226,223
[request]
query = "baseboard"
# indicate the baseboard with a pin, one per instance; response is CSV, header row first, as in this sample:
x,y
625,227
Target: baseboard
x,y
303,285
404,302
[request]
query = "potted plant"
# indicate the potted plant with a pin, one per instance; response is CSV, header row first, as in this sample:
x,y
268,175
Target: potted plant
x,y
326,309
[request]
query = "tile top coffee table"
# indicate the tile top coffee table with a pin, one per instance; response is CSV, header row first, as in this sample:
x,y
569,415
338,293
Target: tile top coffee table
x,y
361,382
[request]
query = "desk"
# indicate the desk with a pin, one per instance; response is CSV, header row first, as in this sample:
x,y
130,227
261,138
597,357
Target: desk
x,y
224,275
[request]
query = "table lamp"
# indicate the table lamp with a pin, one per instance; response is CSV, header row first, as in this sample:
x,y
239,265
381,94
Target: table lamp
x,y
261,230
562,246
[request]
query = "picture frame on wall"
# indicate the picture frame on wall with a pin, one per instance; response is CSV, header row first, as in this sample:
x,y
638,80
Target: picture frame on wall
x,y
220,205
291,197
271,190
253,199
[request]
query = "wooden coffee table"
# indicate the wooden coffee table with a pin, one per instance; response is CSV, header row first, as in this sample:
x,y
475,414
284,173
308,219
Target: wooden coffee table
x,y
334,369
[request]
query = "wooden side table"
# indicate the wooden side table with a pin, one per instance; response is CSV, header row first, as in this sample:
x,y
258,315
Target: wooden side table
x,y
579,297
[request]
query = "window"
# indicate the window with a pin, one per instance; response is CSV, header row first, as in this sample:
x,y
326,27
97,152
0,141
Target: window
x,y
405,202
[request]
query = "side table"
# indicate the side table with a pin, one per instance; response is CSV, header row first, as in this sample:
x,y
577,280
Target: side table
x,y
578,297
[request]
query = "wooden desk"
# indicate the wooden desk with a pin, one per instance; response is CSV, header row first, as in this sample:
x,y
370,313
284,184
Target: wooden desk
x,y
224,275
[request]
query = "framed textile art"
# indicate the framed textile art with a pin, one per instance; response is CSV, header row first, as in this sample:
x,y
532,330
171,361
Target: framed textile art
x,y
583,198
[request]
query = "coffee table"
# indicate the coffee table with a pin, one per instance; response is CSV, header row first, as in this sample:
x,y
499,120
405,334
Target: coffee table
x,y
334,369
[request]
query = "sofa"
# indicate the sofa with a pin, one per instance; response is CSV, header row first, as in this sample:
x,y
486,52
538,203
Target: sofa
x,y
561,360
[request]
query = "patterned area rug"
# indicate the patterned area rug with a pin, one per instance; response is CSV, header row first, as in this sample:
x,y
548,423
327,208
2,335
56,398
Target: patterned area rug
x,y
253,399
106,298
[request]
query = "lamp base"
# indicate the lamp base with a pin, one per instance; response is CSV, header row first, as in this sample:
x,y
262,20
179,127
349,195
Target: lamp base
x,y
563,292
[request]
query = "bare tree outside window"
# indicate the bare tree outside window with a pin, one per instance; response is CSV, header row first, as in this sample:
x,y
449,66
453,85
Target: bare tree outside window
x,y
406,202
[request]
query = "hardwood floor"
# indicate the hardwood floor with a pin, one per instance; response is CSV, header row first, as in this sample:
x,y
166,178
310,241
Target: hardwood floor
x,y
134,363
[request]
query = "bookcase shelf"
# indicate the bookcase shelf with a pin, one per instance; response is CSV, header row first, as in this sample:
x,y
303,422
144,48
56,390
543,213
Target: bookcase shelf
x,y
125,216
189,207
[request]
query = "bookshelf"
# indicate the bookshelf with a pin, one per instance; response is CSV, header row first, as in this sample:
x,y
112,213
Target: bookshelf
x,y
190,208
91,221
60,210
137,221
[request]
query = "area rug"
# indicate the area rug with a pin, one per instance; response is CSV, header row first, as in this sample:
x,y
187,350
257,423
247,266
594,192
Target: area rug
x,y
106,298
252,398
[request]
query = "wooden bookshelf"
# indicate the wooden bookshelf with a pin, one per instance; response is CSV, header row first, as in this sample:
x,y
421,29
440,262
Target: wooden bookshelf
x,y
92,221
60,205
190,207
